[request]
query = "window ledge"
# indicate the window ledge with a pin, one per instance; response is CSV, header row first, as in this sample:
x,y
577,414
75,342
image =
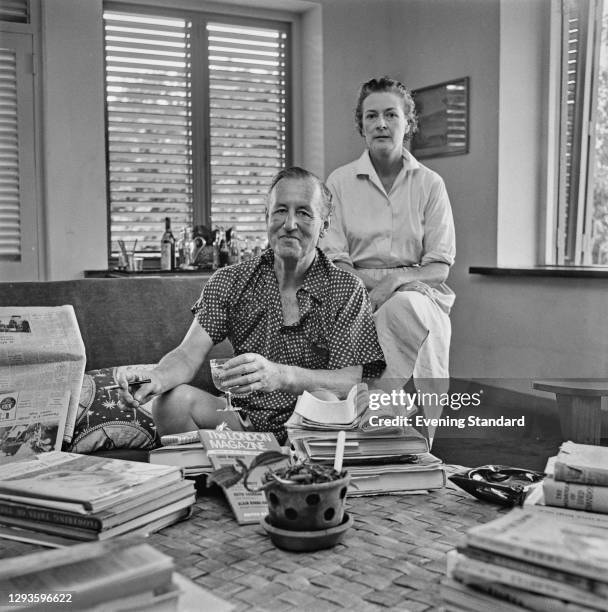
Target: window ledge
x,y
547,271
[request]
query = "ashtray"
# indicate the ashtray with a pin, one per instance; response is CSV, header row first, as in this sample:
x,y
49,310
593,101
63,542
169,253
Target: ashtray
x,y
501,484
307,541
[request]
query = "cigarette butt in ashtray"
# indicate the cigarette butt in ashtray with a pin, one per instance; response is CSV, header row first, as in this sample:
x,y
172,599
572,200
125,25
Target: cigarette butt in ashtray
x,y
339,457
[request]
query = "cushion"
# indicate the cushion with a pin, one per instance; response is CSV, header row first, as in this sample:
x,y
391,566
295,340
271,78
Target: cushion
x,y
101,425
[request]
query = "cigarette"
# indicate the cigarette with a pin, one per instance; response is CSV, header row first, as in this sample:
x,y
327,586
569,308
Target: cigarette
x,y
133,383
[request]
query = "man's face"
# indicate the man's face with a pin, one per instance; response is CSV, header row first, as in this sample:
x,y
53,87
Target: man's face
x,y
294,218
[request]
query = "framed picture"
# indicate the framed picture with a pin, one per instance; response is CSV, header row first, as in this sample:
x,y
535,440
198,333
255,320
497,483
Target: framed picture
x,y
443,119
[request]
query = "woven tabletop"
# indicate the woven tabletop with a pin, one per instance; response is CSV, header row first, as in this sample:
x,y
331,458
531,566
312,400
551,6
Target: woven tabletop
x,y
392,558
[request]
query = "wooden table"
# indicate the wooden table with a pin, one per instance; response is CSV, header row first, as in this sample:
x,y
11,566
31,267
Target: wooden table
x,y
579,402
391,559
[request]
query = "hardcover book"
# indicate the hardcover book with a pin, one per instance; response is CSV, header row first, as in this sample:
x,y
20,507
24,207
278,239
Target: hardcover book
x,y
224,448
91,577
81,483
474,572
104,519
564,544
582,463
425,474
192,457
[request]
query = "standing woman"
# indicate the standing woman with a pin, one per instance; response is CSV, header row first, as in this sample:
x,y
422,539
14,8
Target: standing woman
x,y
392,226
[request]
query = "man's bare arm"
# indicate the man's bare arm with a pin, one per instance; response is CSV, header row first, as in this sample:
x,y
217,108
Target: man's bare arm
x,y
252,372
177,367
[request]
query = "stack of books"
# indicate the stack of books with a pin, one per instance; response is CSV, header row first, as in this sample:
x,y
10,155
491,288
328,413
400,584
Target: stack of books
x,y
184,450
382,453
530,559
577,478
124,574
60,498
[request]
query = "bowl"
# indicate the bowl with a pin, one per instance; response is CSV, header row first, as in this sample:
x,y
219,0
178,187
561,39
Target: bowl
x,y
307,541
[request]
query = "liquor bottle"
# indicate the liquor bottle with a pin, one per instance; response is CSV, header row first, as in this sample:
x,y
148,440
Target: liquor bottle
x,y
216,247
257,249
224,252
246,253
167,247
234,246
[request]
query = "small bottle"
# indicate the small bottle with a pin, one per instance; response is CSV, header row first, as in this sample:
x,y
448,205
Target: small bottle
x,y
257,249
246,253
167,247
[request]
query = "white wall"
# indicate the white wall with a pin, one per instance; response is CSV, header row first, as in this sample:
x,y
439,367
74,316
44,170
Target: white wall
x,y
502,327
74,191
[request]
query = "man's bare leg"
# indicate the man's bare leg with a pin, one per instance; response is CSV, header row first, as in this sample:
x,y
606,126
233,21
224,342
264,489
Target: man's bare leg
x,y
186,408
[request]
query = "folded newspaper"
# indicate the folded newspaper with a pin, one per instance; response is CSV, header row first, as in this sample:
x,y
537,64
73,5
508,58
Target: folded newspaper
x,y
42,363
352,413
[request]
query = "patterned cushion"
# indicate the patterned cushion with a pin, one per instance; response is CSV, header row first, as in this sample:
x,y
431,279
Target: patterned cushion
x,y
102,425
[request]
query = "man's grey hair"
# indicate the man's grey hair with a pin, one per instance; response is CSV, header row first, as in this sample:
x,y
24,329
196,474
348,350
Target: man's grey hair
x,y
295,172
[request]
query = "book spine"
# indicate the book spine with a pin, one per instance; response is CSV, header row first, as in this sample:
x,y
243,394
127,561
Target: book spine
x,y
582,474
576,582
45,515
578,496
579,567
471,571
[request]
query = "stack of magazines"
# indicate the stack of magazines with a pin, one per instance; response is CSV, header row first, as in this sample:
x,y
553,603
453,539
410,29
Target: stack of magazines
x,y
60,498
381,453
530,559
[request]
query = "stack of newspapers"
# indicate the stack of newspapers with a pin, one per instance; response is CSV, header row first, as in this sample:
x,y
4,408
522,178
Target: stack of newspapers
x,y
124,574
530,559
60,498
381,453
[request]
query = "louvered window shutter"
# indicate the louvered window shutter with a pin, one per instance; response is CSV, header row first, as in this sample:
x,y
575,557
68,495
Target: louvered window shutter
x,y
196,122
574,50
149,126
10,210
248,122
15,11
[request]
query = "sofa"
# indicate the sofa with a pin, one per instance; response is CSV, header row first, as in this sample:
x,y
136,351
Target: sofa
x,y
123,321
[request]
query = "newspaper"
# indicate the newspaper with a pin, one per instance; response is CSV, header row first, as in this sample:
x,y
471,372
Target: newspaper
x,y
42,362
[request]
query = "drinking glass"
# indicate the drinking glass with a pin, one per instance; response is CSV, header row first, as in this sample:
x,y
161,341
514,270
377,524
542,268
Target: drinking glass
x,y
217,368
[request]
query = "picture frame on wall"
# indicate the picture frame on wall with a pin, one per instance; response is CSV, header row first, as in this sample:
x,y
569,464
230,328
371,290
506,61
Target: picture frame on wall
x,y
443,119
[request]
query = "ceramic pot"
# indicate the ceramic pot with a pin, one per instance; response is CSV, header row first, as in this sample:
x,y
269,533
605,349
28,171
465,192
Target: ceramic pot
x,y
307,507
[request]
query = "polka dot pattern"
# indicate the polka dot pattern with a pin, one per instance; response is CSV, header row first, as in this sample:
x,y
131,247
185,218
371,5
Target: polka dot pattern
x,y
336,328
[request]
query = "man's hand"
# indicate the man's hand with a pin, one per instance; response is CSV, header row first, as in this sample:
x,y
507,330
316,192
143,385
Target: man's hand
x,y
133,394
251,372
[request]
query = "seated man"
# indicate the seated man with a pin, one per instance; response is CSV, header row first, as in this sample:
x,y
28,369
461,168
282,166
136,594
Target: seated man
x,y
296,322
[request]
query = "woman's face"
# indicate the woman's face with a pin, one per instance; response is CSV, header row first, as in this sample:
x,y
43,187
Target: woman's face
x,y
384,124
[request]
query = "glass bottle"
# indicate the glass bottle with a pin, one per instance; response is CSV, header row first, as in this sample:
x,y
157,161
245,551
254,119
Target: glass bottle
x,y
257,249
234,247
167,247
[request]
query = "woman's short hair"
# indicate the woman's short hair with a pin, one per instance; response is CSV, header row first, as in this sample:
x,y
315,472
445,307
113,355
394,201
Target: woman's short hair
x,y
295,172
384,84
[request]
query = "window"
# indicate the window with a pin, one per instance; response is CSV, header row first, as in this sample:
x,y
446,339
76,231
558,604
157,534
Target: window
x,y
582,212
197,122
18,220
